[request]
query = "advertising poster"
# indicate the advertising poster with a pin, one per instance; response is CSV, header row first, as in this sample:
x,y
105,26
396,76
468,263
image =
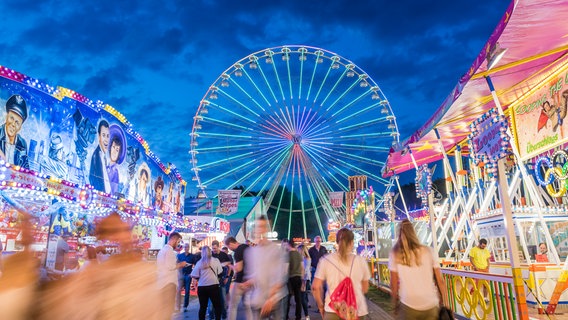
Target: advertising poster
x,y
540,119
82,142
228,201
336,199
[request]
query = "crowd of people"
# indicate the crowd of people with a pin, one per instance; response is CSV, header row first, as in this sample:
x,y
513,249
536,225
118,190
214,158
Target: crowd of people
x,y
260,277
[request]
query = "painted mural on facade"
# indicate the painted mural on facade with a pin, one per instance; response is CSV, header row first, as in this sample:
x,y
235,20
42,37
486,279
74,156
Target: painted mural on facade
x,y
65,138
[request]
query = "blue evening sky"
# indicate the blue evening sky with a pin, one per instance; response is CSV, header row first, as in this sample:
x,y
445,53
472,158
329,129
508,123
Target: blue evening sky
x,y
154,60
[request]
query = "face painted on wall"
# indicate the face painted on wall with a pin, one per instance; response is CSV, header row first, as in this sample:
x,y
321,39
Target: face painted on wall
x,y
13,125
115,149
104,138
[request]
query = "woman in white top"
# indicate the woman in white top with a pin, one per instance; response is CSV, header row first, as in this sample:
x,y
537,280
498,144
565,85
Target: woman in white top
x,y
334,268
206,273
413,267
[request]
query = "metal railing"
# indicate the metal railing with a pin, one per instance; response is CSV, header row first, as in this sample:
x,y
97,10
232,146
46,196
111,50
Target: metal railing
x,y
470,294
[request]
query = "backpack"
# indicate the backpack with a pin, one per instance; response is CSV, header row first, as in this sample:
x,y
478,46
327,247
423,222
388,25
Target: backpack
x,y
342,299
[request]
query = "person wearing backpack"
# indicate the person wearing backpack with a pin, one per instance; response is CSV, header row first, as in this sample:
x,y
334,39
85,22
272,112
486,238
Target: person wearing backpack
x,y
415,272
347,276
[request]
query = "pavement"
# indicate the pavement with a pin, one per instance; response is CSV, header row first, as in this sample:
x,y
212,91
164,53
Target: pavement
x,y
375,312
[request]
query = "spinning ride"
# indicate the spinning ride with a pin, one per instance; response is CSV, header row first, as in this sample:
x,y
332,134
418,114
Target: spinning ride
x,y
291,123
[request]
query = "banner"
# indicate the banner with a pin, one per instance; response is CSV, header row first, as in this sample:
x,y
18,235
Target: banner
x,y
228,201
336,199
540,123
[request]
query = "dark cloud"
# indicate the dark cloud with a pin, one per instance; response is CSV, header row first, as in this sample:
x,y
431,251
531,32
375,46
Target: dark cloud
x,y
154,60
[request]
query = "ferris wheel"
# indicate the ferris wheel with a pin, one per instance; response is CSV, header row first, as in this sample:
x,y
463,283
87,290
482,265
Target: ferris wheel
x,y
292,123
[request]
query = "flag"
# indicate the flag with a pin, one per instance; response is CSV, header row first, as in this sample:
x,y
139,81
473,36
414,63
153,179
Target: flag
x,y
336,199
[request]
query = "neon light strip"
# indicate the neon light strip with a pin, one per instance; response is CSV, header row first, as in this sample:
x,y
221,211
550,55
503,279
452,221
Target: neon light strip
x,y
352,101
245,92
239,103
267,83
278,79
343,95
313,76
354,114
227,124
333,88
257,90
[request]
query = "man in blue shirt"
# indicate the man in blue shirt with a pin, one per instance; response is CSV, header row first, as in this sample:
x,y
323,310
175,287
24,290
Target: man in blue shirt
x,y
184,278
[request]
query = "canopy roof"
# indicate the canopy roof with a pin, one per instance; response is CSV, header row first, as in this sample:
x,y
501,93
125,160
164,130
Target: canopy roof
x,y
535,34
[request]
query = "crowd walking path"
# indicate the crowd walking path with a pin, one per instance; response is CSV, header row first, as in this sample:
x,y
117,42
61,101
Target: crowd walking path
x,y
375,312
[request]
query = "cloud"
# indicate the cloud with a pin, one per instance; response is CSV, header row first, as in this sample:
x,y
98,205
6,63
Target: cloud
x,y
153,61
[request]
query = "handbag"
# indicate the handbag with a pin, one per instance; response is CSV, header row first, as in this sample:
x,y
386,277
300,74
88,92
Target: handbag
x,y
219,276
446,314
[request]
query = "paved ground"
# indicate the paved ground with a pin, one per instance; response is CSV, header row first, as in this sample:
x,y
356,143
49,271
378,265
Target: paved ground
x,y
375,312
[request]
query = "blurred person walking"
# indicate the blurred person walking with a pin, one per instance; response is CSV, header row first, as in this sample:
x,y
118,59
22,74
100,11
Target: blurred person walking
x,y
123,287
267,274
184,276
206,272
226,263
237,291
168,267
295,273
333,269
306,278
415,273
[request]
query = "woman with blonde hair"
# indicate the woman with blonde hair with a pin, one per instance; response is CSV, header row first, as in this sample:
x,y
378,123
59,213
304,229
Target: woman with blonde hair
x,y
306,278
206,272
413,267
333,269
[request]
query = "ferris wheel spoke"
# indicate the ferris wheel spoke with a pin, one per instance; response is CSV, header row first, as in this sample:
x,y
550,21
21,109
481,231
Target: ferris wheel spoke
x,y
224,135
356,169
324,167
352,102
288,165
243,91
278,81
302,59
225,160
318,59
258,90
236,169
289,77
306,119
342,95
352,156
353,115
363,124
213,150
322,234
300,163
227,124
238,104
323,81
273,161
266,82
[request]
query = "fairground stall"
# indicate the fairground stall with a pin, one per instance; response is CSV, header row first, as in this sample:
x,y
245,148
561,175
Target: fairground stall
x,y
68,160
501,139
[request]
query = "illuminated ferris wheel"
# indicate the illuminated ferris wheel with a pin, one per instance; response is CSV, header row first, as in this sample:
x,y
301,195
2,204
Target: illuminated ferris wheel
x,y
291,123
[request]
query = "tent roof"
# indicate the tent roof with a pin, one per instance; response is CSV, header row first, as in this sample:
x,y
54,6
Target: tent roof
x,y
535,34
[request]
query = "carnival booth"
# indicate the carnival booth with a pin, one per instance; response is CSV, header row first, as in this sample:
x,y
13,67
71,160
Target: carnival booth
x,y
67,161
501,137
